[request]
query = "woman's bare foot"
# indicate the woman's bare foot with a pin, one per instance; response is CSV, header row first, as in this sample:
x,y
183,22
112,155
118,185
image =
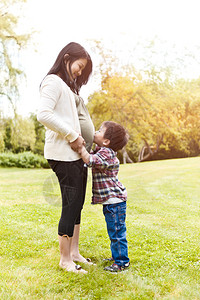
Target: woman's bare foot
x,y
72,267
81,259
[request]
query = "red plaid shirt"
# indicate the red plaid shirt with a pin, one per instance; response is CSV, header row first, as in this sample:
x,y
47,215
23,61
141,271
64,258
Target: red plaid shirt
x,y
105,184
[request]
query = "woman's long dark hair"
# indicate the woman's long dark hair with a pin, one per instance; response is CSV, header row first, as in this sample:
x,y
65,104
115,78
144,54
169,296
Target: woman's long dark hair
x,y
75,51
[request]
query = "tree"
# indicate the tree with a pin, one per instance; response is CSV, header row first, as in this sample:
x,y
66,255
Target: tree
x,y
11,42
2,133
187,115
113,103
40,135
22,137
7,124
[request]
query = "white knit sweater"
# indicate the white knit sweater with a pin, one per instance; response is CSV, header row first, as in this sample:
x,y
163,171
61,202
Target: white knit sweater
x,y
57,112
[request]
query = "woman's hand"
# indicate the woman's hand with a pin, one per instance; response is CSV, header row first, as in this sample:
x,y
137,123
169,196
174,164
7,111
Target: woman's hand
x,y
78,144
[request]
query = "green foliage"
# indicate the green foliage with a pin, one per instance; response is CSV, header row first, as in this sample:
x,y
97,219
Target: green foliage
x,y
22,134
39,135
7,124
2,144
19,134
2,133
23,160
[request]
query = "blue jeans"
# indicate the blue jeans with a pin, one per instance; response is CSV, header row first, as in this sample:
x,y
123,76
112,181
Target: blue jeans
x,y
115,216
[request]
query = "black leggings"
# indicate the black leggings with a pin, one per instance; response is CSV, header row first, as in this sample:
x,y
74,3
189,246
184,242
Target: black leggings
x,y
72,177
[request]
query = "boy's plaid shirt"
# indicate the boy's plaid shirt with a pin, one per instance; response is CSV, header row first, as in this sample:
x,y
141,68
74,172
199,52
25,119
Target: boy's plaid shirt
x,y
105,184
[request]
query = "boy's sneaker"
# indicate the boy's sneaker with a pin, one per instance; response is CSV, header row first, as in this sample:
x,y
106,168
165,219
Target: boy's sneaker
x,y
115,268
108,259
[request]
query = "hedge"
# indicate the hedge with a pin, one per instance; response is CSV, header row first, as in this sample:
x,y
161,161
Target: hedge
x,y
23,160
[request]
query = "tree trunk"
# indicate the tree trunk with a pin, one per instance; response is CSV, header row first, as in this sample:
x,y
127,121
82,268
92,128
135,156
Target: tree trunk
x,y
151,150
126,158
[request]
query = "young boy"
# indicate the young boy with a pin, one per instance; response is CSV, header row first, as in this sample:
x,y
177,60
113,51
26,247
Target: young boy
x,y
107,189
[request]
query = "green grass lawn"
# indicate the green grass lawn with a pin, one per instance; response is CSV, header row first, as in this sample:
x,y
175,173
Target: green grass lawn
x,y
163,231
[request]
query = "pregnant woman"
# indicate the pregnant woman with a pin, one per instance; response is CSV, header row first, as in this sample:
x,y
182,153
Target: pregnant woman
x,y
68,127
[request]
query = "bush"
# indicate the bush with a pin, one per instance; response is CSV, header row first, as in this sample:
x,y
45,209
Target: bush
x,y
23,160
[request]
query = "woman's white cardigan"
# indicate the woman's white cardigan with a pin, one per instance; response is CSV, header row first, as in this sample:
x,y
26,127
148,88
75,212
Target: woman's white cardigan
x,y
57,112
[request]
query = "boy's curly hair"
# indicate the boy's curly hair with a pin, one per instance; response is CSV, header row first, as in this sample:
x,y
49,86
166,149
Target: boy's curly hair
x,y
117,135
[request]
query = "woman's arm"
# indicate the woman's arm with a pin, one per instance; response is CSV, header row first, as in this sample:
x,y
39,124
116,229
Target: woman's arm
x,y
50,92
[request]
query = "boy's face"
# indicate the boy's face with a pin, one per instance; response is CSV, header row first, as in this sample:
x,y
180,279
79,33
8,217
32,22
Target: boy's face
x,y
99,137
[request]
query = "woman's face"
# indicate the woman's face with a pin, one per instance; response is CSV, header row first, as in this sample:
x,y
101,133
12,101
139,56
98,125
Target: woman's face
x,y
77,68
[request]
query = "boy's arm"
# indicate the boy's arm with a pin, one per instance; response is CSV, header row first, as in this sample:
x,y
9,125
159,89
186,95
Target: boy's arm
x,y
101,160
85,155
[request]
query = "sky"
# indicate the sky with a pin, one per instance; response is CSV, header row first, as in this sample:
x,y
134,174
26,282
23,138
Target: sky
x,y
118,23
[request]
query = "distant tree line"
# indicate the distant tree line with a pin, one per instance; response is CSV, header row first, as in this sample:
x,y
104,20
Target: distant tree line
x,y
19,134
162,119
